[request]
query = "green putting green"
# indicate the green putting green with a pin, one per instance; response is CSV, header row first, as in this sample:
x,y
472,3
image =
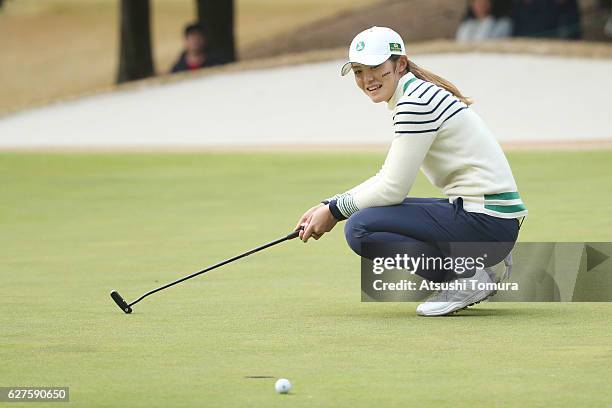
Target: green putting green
x,y
75,226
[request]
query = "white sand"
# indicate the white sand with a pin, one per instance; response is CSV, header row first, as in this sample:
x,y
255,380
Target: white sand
x,y
522,98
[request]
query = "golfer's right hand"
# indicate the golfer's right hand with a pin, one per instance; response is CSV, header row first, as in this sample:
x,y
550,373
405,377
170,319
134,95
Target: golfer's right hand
x,y
305,219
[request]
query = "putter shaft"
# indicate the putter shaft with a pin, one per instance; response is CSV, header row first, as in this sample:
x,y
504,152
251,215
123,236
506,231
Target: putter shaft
x,y
127,308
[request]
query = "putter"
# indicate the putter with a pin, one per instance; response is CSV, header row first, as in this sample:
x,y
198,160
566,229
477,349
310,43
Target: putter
x,y
127,307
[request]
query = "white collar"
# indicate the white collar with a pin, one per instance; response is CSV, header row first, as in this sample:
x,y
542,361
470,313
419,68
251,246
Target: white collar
x,y
401,89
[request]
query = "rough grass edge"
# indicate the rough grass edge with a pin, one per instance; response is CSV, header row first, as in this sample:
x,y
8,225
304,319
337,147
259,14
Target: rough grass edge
x,y
578,145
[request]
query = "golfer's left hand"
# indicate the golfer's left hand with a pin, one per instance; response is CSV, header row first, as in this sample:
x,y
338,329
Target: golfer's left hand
x,y
322,221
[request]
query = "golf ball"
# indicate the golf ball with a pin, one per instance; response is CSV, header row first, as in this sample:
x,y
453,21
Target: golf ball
x,y
282,386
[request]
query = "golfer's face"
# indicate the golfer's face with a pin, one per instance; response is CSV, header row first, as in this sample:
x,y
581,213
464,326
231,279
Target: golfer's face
x,y
377,82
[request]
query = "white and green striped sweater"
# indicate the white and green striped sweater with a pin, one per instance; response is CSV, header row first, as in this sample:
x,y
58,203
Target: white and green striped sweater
x,y
453,147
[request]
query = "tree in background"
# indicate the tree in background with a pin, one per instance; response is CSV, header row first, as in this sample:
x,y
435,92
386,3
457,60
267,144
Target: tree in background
x,y
218,17
135,54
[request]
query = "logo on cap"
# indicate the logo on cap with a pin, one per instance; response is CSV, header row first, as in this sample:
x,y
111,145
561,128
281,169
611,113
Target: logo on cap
x,y
360,46
395,47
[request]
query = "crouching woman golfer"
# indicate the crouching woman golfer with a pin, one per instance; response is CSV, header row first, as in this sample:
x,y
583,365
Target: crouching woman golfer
x,y
435,130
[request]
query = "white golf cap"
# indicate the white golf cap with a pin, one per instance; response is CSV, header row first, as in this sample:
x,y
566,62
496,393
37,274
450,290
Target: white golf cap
x,y
373,47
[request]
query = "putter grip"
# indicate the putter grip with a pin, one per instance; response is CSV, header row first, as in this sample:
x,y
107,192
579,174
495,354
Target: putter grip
x,y
295,233
120,302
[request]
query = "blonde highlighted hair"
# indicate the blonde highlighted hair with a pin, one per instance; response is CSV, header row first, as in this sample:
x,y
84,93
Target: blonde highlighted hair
x,y
429,76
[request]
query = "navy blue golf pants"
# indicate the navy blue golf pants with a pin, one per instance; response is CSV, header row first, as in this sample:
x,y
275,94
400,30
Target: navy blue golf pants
x,y
428,223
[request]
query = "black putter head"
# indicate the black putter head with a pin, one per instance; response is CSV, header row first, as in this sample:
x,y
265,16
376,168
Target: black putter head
x,y
120,302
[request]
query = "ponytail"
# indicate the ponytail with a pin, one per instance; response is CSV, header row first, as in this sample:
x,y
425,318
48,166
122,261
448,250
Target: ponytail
x,y
428,76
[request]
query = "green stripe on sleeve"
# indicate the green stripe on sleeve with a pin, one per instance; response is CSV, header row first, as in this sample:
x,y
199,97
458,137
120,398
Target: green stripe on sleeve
x,y
506,208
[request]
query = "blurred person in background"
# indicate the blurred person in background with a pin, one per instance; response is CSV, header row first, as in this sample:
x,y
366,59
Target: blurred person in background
x,y
483,23
547,19
568,19
194,55
606,6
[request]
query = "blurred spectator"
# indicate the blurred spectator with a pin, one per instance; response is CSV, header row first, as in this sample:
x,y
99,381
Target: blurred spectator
x,y
547,19
533,18
568,19
606,6
195,55
481,23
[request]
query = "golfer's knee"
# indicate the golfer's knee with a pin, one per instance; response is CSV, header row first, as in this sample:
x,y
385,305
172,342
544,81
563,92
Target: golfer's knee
x,y
356,231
